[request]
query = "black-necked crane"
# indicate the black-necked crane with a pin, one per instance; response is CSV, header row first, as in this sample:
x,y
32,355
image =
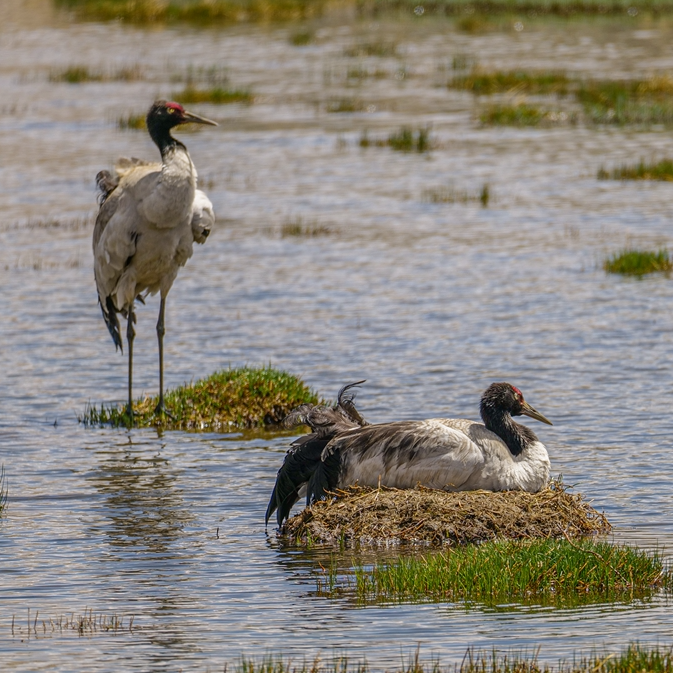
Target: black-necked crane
x,y
441,453
150,215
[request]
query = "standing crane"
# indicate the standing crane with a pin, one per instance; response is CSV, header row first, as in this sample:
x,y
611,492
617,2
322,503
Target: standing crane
x,y
150,215
441,453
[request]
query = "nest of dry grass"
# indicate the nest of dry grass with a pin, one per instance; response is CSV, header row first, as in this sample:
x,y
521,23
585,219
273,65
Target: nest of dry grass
x,y
384,516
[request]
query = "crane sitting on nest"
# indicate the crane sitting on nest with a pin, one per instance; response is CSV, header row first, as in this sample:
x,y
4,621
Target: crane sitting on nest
x,y
150,215
441,453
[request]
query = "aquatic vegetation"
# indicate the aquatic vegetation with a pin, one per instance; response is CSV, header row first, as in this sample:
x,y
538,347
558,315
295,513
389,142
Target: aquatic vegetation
x,y
77,74
87,624
135,122
378,48
3,490
638,262
232,398
660,170
544,82
300,229
628,101
513,570
450,195
404,140
345,105
302,38
216,95
524,114
633,659
193,11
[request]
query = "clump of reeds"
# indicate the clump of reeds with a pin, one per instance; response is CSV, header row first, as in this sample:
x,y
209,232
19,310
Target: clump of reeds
x,y
132,121
3,490
379,48
634,659
193,11
638,262
506,570
450,195
87,624
216,95
403,140
521,81
628,101
345,105
302,38
660,170
298,228
77,74
246,397
523,114
428,516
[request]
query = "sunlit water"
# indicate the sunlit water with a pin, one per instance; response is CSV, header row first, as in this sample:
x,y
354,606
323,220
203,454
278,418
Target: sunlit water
x,y
429,302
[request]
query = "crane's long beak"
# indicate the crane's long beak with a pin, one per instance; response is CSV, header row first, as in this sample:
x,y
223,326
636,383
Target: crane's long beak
x,y
527,410
196,119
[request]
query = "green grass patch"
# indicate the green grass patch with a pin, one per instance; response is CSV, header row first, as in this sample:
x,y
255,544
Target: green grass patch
x,y
216,95
134,122
297,228
77,74
546,82
233,398
524,114
634,658
640,102
450,195
193,11
548,571
638,262
403,140
378,48
302,38
661,170
345,105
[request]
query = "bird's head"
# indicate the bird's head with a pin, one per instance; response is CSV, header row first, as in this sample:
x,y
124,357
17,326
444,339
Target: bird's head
x,y
165,115
504,397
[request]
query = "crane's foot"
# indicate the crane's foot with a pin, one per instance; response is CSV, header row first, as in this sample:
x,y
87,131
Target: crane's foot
x,y
161,410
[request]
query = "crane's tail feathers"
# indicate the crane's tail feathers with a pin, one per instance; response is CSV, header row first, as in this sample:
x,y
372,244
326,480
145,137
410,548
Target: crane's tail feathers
x,y
106,184
112,322
299,464
346,400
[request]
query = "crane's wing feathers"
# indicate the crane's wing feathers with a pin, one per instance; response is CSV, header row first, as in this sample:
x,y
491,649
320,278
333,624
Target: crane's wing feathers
x,y
203,217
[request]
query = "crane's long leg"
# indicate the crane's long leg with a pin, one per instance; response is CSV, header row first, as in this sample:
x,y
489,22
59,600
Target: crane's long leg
x,y
161,407
130,335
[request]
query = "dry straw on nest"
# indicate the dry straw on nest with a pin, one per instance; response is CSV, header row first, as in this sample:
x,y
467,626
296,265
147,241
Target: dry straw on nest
x,y
389,515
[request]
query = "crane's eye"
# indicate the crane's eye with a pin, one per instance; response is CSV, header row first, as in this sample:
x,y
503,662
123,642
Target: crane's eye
x,y
170,110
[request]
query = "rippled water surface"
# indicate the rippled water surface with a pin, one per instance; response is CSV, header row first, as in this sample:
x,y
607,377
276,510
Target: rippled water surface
x,y
429,302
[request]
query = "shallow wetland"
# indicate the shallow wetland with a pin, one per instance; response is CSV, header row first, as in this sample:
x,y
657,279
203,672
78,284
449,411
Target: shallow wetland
x,y
336,263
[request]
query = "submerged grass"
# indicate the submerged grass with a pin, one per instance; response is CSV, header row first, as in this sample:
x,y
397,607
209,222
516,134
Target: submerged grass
x,y
638,262
524,114
3,490
233,398
545,82
634,658
298,228
77,74
515,570
403,140
660,170
193,11
450,195
217,95
132,121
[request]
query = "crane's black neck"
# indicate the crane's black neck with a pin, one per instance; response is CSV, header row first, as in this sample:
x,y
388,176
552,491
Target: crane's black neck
x,y
516,436
161,135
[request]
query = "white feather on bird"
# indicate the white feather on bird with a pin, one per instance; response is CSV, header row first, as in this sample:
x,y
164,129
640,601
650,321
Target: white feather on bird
x,y
150,215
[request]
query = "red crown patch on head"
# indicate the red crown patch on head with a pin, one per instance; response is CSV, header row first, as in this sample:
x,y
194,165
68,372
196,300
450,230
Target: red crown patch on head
x,y
517,391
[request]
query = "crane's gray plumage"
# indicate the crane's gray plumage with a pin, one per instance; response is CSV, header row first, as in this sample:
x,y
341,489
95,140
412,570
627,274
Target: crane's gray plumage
x,y
448,454
150,215
303,458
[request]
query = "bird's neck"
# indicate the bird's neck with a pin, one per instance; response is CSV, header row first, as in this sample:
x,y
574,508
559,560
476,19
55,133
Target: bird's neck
x,y
517,437
164,140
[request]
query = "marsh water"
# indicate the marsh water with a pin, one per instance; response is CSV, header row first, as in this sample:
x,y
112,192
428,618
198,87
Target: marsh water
x,y
430,302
